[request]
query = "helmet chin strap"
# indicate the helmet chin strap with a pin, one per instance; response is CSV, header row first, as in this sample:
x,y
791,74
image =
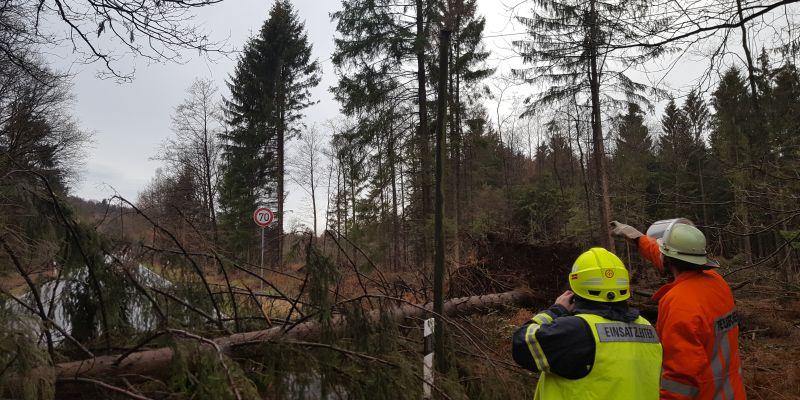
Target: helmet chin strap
x,y
666,272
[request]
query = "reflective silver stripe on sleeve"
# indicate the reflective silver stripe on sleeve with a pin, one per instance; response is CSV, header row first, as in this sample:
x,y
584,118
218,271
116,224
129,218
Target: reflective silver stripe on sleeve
x,y
535,349
626,332
542,318
720,366
679,388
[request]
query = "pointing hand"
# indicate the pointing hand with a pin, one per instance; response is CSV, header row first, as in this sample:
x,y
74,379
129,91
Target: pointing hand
x,y
619,229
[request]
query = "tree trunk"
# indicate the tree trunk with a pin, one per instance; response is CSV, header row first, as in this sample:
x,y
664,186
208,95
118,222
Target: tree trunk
x,y
455,142
280,154
155,361
438,265
597,135
313,194
584,176
395,212
422,130
702,191
209,187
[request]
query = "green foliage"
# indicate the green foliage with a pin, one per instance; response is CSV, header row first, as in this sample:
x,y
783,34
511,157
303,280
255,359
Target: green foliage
x,y
269,90
542,210
322,275
793,237
563,35
631,165
199,372
374,360
25,372
733,121
87,271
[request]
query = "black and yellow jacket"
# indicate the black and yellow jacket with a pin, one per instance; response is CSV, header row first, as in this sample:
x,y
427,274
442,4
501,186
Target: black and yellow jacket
x,y
597,352
566,340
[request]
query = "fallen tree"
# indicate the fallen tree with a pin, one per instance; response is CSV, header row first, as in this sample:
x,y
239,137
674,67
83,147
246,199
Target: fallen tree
x,y
151,361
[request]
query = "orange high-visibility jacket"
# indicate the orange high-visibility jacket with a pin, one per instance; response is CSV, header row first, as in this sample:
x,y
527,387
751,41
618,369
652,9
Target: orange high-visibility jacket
x,y
699,332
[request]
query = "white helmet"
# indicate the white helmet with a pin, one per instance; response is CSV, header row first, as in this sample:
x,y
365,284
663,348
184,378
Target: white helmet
x,y
683,241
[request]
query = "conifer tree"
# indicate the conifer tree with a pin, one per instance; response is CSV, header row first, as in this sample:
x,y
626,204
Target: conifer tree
x,y
632,159
570,51
382,55
269,90
697,117
675,145
386,65
467,69
730,140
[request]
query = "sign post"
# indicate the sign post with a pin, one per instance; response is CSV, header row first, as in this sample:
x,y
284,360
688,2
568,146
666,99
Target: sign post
x,y
263,217
427,358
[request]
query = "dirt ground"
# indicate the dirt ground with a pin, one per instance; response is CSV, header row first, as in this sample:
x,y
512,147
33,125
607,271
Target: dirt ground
x,y
769,309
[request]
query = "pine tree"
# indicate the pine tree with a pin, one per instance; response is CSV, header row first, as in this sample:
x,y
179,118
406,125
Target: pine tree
x,y
380,57
633,155
697,117
784,161
570,51
675,146
730,140
269,90
467,69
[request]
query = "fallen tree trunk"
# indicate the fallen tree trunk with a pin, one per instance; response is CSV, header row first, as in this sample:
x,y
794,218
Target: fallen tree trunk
x,y
150,361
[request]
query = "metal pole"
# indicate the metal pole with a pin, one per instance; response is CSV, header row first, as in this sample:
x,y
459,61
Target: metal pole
x,y
261,282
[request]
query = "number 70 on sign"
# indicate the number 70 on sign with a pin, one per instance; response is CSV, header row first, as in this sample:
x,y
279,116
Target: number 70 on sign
x,y
263,217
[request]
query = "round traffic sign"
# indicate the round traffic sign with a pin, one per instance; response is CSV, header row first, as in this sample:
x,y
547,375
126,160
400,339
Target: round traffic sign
x,y
263,217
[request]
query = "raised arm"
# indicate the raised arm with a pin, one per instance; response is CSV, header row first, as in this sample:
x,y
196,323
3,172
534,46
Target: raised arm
x,y
648,247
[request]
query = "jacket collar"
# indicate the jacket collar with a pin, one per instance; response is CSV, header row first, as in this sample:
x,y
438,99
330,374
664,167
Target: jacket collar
x,y
678,279
618,311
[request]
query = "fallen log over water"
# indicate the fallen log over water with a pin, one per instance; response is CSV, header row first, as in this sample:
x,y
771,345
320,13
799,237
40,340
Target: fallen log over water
x,y
151,361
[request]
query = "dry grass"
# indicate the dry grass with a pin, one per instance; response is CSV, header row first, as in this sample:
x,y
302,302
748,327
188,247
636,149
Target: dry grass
x,y
770,367
770,342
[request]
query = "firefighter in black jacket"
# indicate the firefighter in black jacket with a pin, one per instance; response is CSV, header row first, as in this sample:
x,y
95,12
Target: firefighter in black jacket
x,y
589,344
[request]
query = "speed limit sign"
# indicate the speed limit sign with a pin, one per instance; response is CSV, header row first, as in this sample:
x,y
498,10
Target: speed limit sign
x,y
263,217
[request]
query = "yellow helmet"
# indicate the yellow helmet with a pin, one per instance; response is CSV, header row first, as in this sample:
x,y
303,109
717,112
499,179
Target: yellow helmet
x,y
599,275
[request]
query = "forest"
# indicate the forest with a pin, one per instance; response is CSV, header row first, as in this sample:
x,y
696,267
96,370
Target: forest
x,y
451,186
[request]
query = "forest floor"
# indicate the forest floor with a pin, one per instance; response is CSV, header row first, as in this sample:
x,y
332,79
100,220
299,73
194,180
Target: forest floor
x,y
769,309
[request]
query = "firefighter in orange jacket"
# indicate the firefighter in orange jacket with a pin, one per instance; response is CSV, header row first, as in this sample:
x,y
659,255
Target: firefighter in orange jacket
x,y
697,320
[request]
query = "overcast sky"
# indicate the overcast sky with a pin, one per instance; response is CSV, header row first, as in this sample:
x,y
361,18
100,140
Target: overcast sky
x,y
130,120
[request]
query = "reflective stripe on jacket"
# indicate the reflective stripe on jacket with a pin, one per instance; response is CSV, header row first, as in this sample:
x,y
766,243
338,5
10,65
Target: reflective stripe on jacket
x,y
588,356
699,331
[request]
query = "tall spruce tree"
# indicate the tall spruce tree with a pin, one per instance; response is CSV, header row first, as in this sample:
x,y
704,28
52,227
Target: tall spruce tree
x,y
571,51
269,90
731,141
633,155
386,65
467,68
675,146
698,119
381,52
